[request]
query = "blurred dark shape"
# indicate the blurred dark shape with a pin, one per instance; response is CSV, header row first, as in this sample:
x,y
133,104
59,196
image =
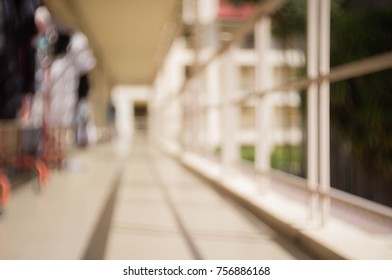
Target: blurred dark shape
x,y
361,124
365,4
31,139
84,86
359,31
82,112
17,55
62,43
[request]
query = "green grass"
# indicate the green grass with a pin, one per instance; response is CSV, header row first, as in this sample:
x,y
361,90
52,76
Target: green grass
x,y
288,159
284,158
248,153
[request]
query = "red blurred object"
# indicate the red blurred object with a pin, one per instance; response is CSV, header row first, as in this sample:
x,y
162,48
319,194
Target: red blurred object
x,y
5,190
228,11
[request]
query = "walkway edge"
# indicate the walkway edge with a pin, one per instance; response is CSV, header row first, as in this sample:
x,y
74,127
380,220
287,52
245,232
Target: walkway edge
x,y
310,245
338,239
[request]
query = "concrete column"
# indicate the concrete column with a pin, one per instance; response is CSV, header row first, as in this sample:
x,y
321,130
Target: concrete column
x,y
325,14
230,112
263,81
212,91
312,109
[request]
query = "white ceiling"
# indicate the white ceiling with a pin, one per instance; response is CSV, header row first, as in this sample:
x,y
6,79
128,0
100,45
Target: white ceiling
x,y
127,36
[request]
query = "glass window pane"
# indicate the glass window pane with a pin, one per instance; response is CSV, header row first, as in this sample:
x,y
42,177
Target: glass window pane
x,y
247,132
361,136
288,132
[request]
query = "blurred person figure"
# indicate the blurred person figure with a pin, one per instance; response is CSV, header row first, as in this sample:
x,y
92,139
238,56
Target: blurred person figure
x,y
72,59
81,122
44,44
82,115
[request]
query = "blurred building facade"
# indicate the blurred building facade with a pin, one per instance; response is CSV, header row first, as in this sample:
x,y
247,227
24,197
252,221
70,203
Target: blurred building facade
x,y
218,21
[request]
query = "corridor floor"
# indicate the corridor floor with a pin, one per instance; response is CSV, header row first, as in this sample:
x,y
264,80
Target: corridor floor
x,y
164,211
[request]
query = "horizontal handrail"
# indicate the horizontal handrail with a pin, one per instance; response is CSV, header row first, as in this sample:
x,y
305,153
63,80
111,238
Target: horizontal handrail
x,y
342,72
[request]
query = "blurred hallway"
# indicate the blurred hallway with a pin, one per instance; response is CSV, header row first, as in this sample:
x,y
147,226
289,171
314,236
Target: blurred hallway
x,y
163,211
198,129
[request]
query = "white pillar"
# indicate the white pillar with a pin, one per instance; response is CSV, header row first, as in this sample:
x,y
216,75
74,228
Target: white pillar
x,y
199,112
263,81
312,106
212,118
192,106
325,8
230,112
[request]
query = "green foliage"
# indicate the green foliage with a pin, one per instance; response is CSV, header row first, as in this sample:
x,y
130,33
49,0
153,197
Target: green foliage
x,y
284,158
248,153
361,107
359,33
288,159
361,114
290,20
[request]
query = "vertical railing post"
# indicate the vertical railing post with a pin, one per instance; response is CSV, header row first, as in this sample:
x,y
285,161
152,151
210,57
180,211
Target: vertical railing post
x,y
202,112
198,101
263,82
194,83
230,150
325,11
190,126
312,106
212,117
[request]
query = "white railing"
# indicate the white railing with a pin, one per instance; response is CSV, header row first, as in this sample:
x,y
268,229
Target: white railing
x,y
197,102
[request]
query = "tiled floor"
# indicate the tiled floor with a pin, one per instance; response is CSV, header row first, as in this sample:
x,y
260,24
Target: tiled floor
x,y
165,212
162,211
58,222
